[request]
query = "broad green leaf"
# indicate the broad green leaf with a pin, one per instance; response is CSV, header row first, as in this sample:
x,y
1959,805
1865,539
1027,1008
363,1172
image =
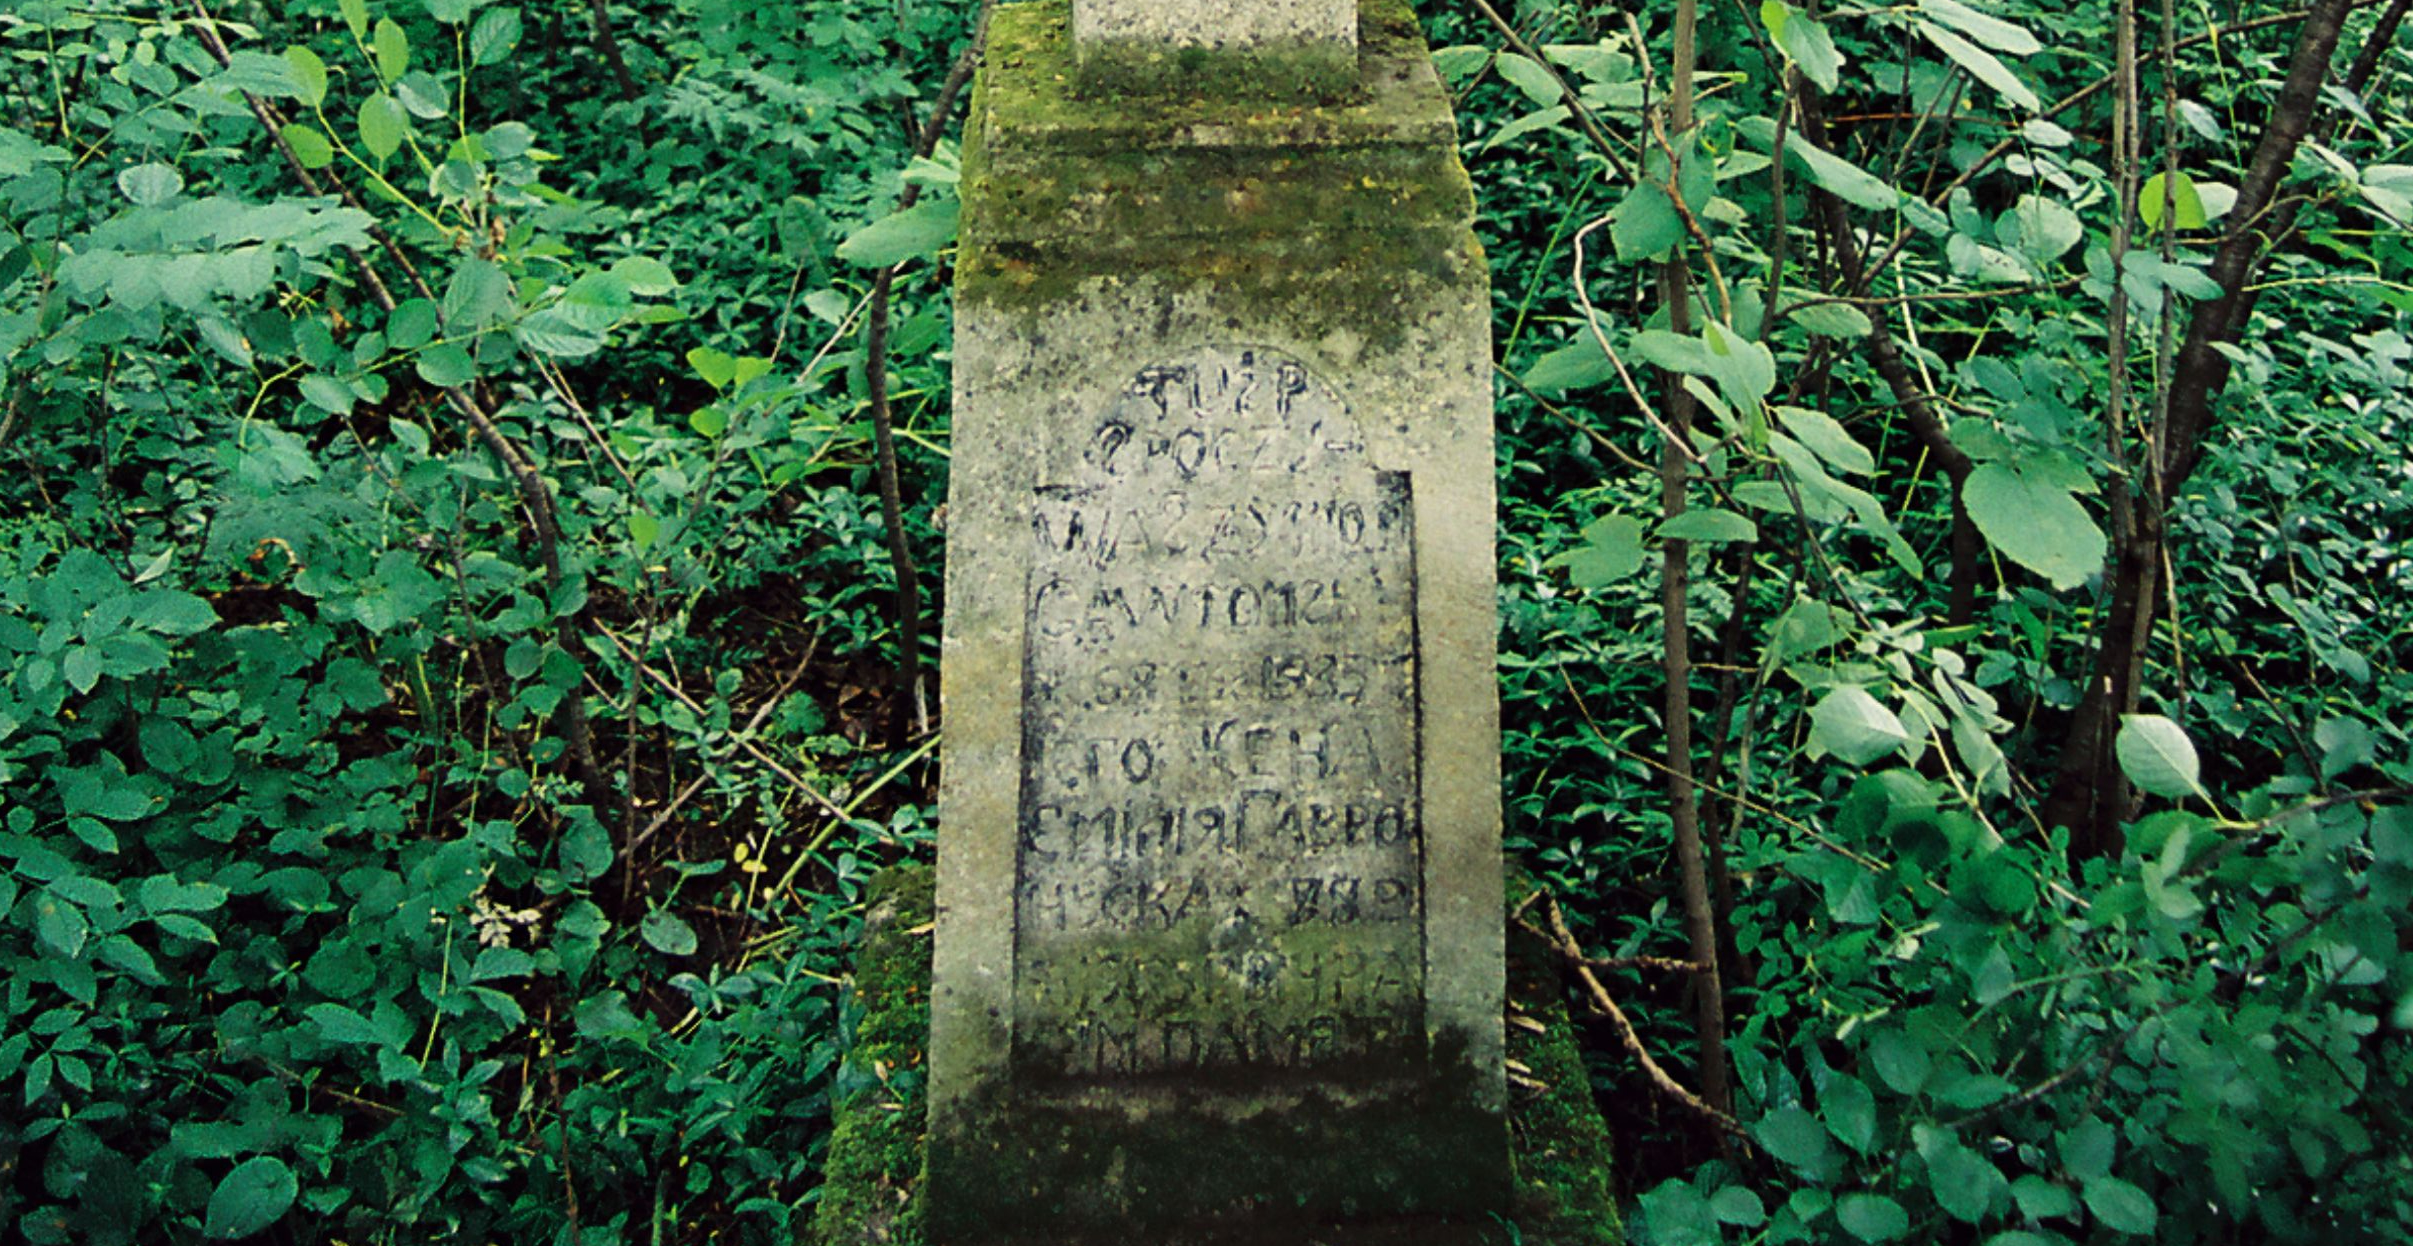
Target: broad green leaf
x,y
1871,1217
149,185
1645,226
343,1025
645,276
1982,65
412,324
1900,1061
1987,29
1737,1205
173,613
1529,76
449,12
479,294
2157,756
2046,229
381,125
1576,365
393,50
1745,370
2176,193
2035,522
497,32
1612,550
2039,1199
255,1195
717,368
710,420
327,393
668,935
643,527
921,230
356,16
1965,1184
1855,726
1828,439
1841,178
310,148
446,366
1708,525
1850,1112
60,924
1804,41
309,74
1794,1137
2119,1206
1832,320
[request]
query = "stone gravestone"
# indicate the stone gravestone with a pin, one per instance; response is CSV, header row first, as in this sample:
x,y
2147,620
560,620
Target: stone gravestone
x,y
1219,947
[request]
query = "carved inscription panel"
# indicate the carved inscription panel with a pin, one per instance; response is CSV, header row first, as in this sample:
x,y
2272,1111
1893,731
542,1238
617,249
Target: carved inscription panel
x,y
1221,845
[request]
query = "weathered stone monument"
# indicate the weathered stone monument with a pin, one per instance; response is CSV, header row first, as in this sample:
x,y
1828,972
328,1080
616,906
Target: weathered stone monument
x,y
1219,938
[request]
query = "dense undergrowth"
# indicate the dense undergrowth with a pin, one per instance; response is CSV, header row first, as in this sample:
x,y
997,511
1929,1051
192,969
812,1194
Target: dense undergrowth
x,y
448,657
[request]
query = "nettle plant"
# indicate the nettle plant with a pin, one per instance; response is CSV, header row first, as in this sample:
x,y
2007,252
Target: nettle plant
x,y
1913,415
328,590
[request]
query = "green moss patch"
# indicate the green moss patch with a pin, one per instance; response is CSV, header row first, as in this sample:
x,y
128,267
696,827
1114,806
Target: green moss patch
x,y
877,1167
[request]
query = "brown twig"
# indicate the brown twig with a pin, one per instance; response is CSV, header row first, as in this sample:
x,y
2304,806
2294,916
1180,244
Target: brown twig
x,y
1597,994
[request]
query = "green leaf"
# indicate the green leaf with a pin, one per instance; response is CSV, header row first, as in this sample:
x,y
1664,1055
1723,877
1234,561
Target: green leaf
x,y
1832,320
327,393
310,148
1992,31
255,1195
1982,65
1850,1112
495,35
1794,1137
2119,1206
149,185
1900,1061
1804,41
412,324
1965,1183
2036,522
60,925
2180,194
446,366
2045,229
1576,365
2157,756
1872,1217
309,74
1708,525
393,50
668,935
1855,726
1612,550
1529,76
479,294
921,230
1828,439
1841,178
2040,1199
1645,225
343,1025
381,125
710,420
1736,1204
645,276
1744,369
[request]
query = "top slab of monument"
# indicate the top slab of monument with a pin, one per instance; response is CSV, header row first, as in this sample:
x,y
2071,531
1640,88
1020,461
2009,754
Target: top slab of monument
x,y
1268,48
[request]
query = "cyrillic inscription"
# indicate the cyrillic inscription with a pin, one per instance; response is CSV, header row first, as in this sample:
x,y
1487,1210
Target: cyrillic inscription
x,y
1221,850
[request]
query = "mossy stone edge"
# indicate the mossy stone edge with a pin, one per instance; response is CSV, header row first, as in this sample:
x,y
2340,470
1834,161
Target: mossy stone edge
x,y
877,1164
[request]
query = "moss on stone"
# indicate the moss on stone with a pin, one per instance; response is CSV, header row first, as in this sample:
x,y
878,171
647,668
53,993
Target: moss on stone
x,y
1301,217
871,1192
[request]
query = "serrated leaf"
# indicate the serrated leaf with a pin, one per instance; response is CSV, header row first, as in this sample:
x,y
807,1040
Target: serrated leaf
x,y
2035,522
1871,1217
412,324
327,393
1982,65
1794,1137
495,35
250,1198
2120,1206
446,366
1849,723
921,230
2156,755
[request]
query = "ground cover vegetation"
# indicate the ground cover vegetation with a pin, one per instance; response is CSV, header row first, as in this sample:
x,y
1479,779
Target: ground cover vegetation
x,y
469,474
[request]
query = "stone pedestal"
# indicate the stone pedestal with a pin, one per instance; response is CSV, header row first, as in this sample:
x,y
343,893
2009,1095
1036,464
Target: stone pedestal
x,y
1219,945
1272,47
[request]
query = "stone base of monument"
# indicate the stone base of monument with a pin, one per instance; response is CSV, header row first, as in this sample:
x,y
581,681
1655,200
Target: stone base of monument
x,y
876,1162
